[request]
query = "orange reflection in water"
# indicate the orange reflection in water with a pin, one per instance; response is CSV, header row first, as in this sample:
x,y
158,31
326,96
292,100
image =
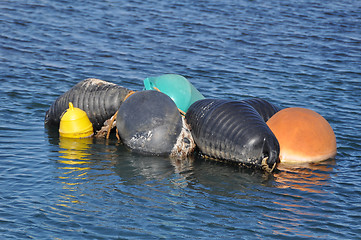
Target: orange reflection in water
x,y
307,177
296,209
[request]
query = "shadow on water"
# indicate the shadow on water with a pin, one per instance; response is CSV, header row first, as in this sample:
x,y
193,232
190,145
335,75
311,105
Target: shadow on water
x,y
133,168
193,169
102,174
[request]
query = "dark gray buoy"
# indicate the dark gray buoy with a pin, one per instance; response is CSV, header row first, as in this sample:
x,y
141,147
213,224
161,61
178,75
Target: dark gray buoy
x,y
150,122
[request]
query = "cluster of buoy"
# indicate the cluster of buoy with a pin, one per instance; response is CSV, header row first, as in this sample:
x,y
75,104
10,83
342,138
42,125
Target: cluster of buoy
x,y
171,117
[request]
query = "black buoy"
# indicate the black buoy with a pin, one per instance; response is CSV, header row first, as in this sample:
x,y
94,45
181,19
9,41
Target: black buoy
x,y
149,122
263,107
99,99
233,131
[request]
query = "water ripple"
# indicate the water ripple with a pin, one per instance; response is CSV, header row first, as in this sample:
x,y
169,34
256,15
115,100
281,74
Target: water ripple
x,y
294,53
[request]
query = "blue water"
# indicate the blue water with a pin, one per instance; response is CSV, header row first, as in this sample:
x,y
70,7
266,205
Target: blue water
x,y
292,53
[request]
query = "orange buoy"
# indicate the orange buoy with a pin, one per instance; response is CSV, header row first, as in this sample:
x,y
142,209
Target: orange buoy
x,y
303,135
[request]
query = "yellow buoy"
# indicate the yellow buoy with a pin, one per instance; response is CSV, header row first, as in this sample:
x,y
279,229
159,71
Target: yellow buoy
x,y
74,123
303,135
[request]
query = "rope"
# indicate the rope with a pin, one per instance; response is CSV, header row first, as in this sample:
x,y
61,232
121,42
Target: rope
x,y
128,95
265,165
117,134
115,116
111,124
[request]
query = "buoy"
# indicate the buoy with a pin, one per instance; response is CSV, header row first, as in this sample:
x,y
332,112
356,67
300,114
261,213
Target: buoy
x,y
149,122
233,131
74,123
98,98
303,135
177,87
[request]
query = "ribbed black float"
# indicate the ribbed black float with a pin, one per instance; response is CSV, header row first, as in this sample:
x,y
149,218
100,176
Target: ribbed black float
x,y
234,131
99,99
263,107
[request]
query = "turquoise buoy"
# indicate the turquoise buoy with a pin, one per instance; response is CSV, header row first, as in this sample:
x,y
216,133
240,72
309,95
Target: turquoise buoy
x,y
177,87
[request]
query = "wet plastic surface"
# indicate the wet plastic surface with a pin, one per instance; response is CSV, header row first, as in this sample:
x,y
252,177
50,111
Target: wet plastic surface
x,y
177,87
99,99
263,107
233,131
149,122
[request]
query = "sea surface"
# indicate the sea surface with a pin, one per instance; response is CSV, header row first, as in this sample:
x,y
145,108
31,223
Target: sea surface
x,y
295,53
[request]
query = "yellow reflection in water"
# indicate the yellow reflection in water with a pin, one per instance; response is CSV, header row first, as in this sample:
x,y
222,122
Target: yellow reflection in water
x,y
74,155
74,149
75,166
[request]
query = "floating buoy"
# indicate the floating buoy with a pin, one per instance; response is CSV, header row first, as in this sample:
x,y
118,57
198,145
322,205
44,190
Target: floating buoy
x,y
74,123
149,122
233,131
303,135
177,87
263,107
99,99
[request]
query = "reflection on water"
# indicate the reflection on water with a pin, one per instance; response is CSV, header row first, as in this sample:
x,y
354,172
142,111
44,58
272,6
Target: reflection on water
x,y
75,156
74,148
301,188
183,166
101,174
74,162
227,49
107,176
136,169
308,178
